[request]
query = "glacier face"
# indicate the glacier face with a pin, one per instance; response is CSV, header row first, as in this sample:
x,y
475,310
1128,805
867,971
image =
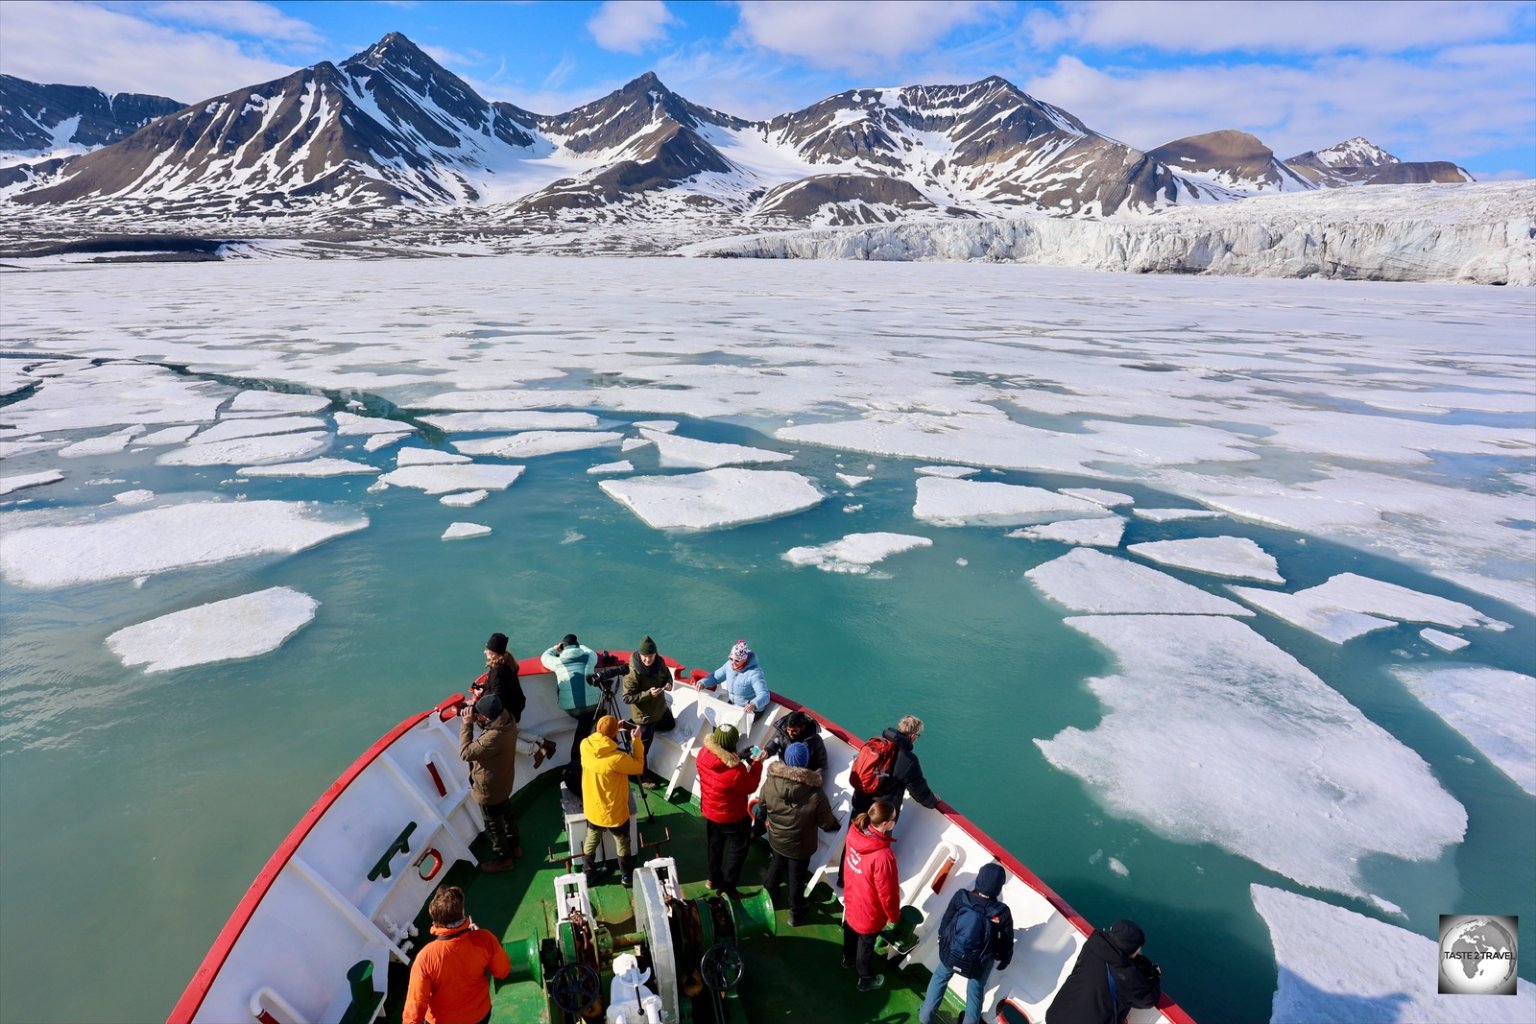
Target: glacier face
x,y
1479,234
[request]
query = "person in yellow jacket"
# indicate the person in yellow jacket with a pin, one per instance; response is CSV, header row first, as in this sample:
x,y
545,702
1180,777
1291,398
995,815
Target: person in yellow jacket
x,y
605,772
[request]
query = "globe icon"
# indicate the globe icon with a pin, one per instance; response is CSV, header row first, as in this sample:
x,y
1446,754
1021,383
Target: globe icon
x,y
1477,956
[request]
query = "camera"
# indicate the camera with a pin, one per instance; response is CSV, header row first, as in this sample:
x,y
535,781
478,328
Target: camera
x,y
607,678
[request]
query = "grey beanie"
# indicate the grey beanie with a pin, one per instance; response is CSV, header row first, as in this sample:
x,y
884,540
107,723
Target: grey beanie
x,y
489,706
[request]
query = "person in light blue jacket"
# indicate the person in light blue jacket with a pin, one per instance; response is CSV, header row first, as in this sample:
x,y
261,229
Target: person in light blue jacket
x,y
743,679
572,662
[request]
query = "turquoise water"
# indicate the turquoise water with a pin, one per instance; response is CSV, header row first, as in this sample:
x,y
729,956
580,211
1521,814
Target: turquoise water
x,y
137,808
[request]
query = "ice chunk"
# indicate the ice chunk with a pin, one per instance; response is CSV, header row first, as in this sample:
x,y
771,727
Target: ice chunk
x,y
240,627
1444,641
1118,867
623,466
229,430
953,472
1098,533
690,453
134,497
851,481
1212,734
481,422
22,480
1109,499
313,467
1493,708
106,444
114,394
665,426
162,539
427,457
949,502
856,552
1387,976
631,443
464,531
1218,556
1347,606
253,450
1091,581
351,425
169,435
464,499
1169,515
377,441
269,402
538,442
713,498
442,478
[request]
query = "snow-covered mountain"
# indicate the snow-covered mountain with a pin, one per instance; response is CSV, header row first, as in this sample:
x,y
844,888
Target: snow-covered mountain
x,y
1359,161
46,121
391,130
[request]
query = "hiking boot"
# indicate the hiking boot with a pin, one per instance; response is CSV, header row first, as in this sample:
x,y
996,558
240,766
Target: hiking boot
x,y
732,892
710,886
870,984
545,751
847,964
799,919
496,867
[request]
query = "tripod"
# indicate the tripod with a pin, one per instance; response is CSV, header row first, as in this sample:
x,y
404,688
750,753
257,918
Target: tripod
x,y
608,682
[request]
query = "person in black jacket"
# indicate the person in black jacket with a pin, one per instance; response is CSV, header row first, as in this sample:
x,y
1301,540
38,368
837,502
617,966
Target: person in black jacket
x,y
999,948
906,776
1108,980
501,680
799,727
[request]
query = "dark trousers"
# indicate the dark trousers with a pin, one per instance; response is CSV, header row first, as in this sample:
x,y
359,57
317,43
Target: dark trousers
x,y
860,950
727,851
501,828
584,721
648,729
797,868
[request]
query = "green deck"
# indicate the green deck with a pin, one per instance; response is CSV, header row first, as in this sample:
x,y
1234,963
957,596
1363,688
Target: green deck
x,y
795,976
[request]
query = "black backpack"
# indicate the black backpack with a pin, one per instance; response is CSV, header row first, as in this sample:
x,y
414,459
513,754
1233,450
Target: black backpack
x,y
967,944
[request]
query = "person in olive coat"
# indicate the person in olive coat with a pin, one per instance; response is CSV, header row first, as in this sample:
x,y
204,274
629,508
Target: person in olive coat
x,y
645,691
796,806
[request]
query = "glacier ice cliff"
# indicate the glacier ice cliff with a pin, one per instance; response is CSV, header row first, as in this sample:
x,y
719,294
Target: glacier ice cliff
x,y
1472,233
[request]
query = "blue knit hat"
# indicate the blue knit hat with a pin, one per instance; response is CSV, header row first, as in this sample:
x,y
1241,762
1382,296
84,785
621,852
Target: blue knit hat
x,y
797,755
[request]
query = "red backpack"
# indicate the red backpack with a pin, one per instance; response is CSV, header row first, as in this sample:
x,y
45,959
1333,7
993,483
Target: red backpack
x,y
872,768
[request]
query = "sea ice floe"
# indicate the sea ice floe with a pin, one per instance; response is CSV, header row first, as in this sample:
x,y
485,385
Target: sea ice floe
x,y
377,441
464,531
631,443
1444,641
112,395
482,422
538,442
1493,708
229,430
20,481
850,481
1219,556
1210,734
427,457
1109,499
464,499
1387,977
140,497
713,498
169,435
1348,605
270,402
162,539
1097,533
351,425
28,445
950,502
311,467
622,466
445,477
1170,515
691,453
240,627
954,472
106,444
856,552
1091,581
665,426
253,450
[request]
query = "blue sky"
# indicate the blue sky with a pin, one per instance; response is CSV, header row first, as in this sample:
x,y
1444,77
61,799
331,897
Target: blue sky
x,y
1426,80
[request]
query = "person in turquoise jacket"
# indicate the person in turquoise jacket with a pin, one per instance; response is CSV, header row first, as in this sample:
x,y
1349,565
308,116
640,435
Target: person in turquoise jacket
x,y
572,662
743,679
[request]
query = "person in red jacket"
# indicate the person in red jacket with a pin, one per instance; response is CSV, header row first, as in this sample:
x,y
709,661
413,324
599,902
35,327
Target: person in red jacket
x,y
449,982
872,895
726,780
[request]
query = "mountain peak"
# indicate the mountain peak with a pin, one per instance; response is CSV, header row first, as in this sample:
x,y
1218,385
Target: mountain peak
x,y
1356,152
646,82
394,48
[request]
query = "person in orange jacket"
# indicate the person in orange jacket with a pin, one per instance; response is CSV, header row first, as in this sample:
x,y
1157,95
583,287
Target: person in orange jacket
x,y
450,978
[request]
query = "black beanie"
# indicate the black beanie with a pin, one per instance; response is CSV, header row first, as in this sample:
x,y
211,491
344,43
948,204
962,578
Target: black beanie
x,y
570,640
497,644
489,706
647,646
1125,935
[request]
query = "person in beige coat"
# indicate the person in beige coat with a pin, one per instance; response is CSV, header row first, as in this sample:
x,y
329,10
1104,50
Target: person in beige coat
x,y
492,758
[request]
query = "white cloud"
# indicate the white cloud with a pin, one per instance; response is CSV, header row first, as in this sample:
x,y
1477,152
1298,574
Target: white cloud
x,y
1451,107
864,35
85,44
242,17
1262,26
630,26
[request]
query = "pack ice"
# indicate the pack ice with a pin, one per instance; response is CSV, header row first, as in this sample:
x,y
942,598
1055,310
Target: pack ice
x,y
1349,605
856,552
1211,734
1493,708
240,627
1217,556
948,501
713,498
1091,581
